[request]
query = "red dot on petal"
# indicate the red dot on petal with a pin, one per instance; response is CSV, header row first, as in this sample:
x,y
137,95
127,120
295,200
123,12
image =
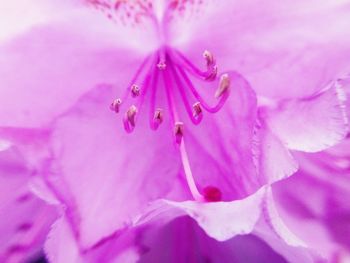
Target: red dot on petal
x,y
212,194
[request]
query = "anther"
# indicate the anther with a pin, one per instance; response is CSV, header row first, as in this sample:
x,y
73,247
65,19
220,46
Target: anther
x,y
178,132
197,110
135,91
209,58
224,85
131,114
212,69
115,105
161,65
157,118
130,119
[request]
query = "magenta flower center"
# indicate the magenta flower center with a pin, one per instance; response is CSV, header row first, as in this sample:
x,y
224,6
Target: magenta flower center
x,y
163,86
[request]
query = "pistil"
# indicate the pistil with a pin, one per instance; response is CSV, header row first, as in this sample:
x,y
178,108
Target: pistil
x,y
174,68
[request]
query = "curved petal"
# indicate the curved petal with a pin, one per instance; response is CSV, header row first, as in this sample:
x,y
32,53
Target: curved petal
x,y
272,229
277,45
167,229
30,143
274,160
220,147
104,175
321,220
60,245
120,166
181,240
223,220
25,219
117,165
233,150
45,70
311,124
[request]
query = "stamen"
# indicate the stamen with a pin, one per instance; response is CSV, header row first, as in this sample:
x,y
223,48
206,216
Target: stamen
x,y
173,70
178,132
188,108
209,58
207,107
197,111
136,76
143,92
131,113
213,73
158,118
168,90
115,105
212,69
154,86
130,119
208,75
224,85
135,91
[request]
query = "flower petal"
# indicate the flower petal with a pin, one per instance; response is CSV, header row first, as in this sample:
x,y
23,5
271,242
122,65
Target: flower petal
x,y
17,18
104,175
220,220
62,246
311,124
220,147
169,234
274,161
25,219
321,220
277,45
239,217
44,71
273,230
182,239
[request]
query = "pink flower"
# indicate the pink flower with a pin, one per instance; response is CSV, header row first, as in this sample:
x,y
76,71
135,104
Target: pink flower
x,y
194,134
